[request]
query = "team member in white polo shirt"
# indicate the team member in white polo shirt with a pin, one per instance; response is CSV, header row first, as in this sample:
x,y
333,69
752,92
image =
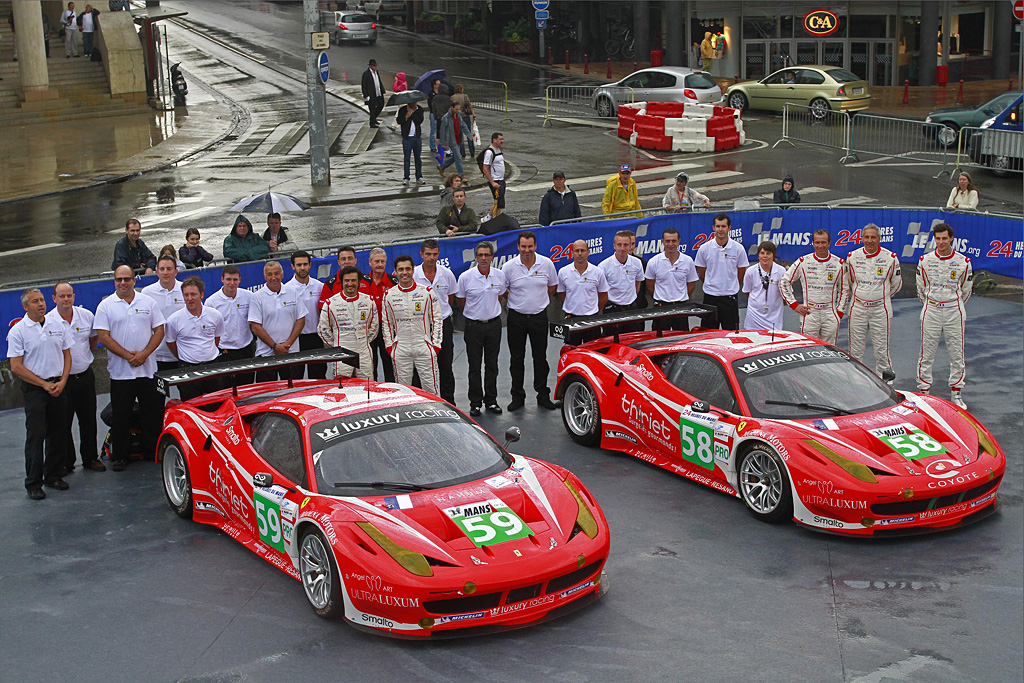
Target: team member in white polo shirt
x,y
131,327
531,280
625,274
671,279
721,264
308,290
582,286
237,341
762,285
276,318
166,292
81,386
192,334
479,293
40,352
432,274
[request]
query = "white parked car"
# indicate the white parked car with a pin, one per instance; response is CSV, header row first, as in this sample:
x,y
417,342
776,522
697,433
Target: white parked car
x,y
658,84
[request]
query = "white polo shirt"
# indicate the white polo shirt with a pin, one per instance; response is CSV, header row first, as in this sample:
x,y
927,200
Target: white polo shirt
x,y
195,335
237,333
528,287
721,277
39,345
277,312
444,285
481,293
671,279
80,331
308,295
131,324
622,278
581,289
496,160
170,302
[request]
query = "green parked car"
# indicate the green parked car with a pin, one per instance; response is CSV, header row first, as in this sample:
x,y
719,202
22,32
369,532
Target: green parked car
x,y
946,123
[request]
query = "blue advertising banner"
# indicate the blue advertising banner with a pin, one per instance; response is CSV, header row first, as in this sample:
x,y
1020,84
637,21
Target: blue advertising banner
x,y
995,245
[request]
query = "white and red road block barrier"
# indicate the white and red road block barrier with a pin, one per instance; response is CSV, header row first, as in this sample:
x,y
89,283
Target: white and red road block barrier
x,y
681,127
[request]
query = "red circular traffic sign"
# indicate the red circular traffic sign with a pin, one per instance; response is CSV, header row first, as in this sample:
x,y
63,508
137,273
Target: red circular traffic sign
x,y
1018,9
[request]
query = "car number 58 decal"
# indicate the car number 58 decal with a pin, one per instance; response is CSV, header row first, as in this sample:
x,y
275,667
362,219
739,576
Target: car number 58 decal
x,y
488,522
909,441
697,441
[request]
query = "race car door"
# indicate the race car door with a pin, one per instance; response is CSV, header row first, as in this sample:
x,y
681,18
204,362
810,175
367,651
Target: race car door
x,y
277,440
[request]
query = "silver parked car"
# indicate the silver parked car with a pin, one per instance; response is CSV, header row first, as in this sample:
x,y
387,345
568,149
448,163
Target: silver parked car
x,y
658,84
353,26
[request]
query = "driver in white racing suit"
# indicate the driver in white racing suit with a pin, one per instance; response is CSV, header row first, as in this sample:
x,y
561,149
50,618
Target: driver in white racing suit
x,y
822,275
872,277
413,327
944,282
349,319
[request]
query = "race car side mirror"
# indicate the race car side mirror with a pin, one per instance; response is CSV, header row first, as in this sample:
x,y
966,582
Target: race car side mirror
x,y
888,376
512,434
700,407
262,480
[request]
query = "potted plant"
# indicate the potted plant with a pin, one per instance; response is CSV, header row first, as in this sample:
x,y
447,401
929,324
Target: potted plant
x,y
514,38
469,29
430,23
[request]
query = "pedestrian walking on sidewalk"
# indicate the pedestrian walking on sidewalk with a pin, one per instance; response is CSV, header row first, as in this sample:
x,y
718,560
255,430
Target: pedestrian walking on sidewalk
x,y
468,119
88,21
439,102
373,92
410,121
69,27
492,165
450,134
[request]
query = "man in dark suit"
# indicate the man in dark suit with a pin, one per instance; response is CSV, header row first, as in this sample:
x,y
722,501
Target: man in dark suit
x,y
373,92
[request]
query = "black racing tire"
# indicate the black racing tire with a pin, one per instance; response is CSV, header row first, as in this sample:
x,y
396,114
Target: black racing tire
x,y
176,477
581,413
820,108
738,100
318,571
764,484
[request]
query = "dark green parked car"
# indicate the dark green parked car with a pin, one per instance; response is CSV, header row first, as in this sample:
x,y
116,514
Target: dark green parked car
x,y
946,123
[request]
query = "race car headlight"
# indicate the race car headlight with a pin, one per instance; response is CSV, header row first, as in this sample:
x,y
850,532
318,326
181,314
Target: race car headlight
x,y
584,517
856,469
412,561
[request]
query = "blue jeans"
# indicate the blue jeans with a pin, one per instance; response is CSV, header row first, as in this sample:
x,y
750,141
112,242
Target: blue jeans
x,y
412,146
87,42
433,133
456,159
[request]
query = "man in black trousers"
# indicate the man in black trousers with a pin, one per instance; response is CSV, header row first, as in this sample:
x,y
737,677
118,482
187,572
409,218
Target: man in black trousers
x,y
373,92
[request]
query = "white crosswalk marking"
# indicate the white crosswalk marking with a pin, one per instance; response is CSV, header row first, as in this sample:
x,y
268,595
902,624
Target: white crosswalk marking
x,y
664,171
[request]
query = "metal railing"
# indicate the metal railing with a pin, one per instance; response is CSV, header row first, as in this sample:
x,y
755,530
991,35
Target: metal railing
x,y
578,101
892,136
1002,151
485,94
815,126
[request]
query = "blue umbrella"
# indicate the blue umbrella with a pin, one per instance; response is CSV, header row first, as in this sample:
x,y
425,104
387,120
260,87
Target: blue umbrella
x,y
424,82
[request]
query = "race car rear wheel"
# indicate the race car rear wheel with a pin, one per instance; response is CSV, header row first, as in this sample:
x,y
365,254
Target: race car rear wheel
x,y
764,485
319,572
177,482
580,412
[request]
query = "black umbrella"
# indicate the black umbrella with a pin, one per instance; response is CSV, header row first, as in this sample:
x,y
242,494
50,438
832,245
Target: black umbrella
x,y
402,98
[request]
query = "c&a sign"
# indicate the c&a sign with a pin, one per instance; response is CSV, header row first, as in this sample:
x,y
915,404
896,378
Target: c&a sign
x,y
821,22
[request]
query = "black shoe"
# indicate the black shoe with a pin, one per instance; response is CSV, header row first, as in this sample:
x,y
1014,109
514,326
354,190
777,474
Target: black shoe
x,y
36,494
515,405
494,408
95,466
119,465
475,411
545,401
68,469
58,484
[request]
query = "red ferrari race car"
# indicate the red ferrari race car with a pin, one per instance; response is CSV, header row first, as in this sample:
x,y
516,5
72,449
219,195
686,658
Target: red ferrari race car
x,y
793,426
394,510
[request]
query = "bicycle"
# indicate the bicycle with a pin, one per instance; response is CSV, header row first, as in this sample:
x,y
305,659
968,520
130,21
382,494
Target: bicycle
x,y
620,40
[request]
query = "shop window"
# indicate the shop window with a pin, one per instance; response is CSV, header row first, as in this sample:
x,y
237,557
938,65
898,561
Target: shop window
x,y
972,33
868,26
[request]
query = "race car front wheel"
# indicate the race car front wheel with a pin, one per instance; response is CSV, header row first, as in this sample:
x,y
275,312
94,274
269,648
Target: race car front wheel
x,y
177,482
580,412
319,574
764,485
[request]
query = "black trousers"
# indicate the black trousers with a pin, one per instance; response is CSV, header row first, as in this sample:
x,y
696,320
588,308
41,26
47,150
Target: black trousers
x,y
44,429
273,374
81,402
376,105
444,361
239,354
309,342
381,351
123,394
728,311
682,324
483,342
522,326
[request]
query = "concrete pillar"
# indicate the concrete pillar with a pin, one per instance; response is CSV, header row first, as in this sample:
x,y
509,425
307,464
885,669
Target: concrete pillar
x,y
674,34
642,30
35,79
928,59
1002,31
729,65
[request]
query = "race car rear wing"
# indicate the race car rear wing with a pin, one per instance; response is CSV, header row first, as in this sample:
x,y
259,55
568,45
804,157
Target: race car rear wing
x,y
165,379
587,327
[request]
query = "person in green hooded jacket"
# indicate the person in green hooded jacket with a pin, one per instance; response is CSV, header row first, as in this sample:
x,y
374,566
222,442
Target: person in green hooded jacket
x,y
243,244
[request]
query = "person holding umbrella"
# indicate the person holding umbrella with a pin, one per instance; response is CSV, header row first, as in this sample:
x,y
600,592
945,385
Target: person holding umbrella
x,y
410,120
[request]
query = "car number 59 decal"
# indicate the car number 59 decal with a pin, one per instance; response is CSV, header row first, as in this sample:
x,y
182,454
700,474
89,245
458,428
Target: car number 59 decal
x,y
488,522
909,441
268,517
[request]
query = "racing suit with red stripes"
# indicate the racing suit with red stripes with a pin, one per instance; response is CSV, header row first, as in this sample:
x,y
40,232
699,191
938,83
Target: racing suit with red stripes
x,y
943,285
823,292
352,324
413,331
870,281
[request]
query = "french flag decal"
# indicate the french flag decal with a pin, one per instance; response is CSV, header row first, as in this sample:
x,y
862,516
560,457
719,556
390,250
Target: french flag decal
x,y
825,425
402,502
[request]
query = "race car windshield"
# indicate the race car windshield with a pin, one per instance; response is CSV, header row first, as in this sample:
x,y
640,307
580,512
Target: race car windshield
x,y
413,447
810,383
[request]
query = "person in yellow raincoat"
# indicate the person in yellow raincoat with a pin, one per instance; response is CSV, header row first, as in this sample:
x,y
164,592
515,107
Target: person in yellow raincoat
x,y
707,51
620,194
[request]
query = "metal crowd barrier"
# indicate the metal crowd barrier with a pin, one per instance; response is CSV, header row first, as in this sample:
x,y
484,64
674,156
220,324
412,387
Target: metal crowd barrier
x,y
1002,151
892,136
577,101
485,94
816,127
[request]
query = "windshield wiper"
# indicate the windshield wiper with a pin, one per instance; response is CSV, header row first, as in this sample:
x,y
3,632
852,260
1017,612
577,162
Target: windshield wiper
x,y
400,485
810,406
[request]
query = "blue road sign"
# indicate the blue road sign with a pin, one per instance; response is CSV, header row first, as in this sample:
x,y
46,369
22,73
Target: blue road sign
x,y
542,14
542,24
541,5
323,67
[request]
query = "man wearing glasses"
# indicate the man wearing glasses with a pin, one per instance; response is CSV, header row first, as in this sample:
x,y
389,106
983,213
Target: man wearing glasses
x,y
761,283
620,194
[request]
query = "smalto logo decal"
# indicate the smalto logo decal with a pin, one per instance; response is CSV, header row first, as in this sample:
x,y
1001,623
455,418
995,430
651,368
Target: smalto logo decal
x,y
821,22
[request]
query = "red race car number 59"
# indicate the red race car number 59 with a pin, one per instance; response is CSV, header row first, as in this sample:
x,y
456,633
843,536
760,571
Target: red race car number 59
x,y
488,523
